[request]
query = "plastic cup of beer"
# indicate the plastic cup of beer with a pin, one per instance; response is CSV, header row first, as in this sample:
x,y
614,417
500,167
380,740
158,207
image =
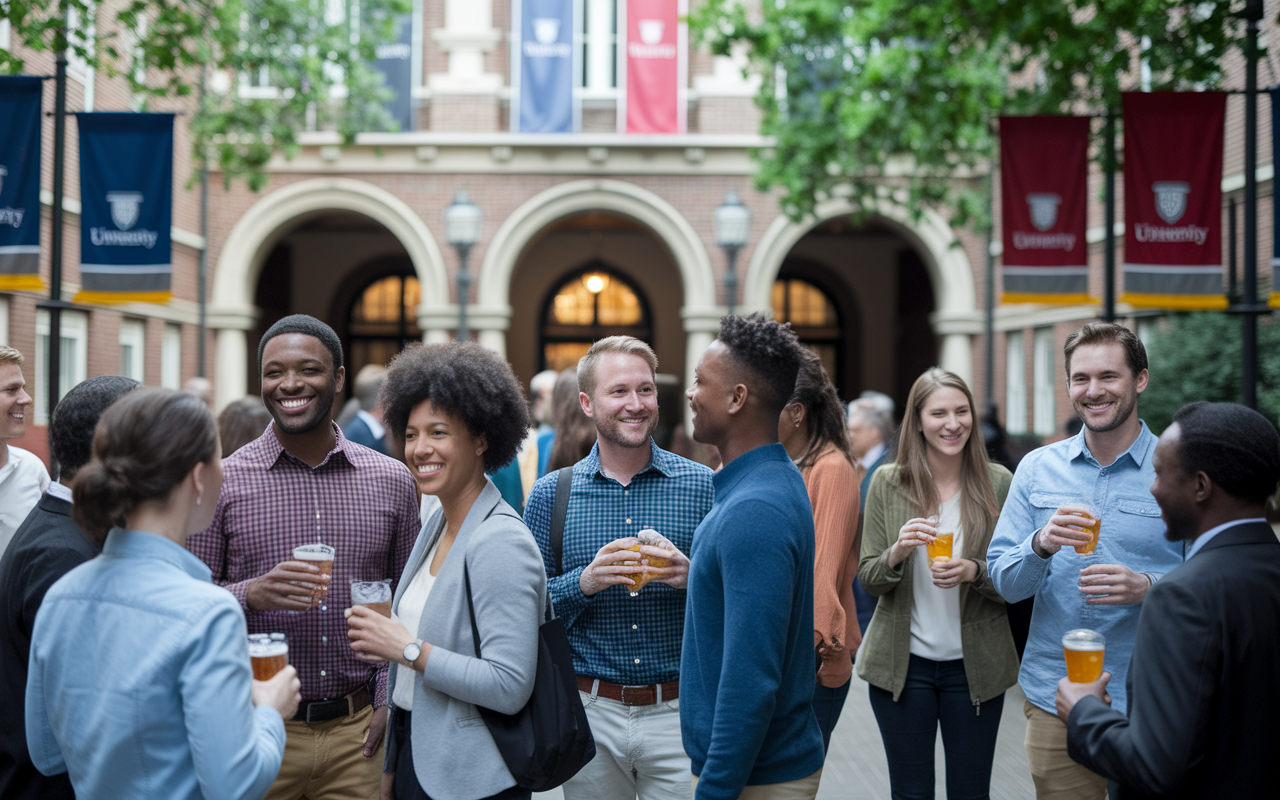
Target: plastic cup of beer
x,y
1093,529
268,653
319,555
940,548
1084,651
653,539
374,594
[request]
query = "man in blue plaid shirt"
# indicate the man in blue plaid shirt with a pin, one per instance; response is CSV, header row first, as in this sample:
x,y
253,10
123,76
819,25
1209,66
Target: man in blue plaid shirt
x,y
625,633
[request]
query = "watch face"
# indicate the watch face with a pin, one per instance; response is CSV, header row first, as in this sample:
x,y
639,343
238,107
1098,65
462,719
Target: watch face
x,y
411,652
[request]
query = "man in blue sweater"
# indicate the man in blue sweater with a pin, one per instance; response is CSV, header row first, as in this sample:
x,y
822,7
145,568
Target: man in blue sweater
x,y
746,670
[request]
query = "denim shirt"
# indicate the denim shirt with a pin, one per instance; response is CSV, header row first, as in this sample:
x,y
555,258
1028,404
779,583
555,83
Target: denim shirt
x,y
1132,535
139,681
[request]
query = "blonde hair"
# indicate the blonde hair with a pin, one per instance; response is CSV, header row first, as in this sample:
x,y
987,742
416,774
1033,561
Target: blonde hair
x,y
9,355
978,506
629,345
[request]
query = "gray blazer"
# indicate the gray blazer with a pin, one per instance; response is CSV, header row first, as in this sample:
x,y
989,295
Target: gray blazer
x,y
453,754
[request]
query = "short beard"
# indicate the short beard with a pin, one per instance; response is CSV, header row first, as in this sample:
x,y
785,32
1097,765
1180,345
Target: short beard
x,y
1123,412
610,434
1176,532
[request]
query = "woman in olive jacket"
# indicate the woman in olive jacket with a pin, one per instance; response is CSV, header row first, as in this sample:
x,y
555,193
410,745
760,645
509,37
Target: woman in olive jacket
x,y
938,650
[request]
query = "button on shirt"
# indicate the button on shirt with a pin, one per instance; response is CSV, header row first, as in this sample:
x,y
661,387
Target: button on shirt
x,y
1132,535
361,503
614,636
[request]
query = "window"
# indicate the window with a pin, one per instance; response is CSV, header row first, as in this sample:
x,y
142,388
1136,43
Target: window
x,y
383,320
1043,376
132,352
4,320
599,43
1146,328
593,303
171,357
73,365
4,35
814,318
1015,379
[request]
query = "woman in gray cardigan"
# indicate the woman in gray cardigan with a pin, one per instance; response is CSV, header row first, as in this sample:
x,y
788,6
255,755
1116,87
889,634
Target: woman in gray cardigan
x,y
938,650
459,411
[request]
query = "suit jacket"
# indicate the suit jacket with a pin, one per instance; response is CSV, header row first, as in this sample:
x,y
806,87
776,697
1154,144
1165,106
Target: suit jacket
x,y
358,431
453,753
1204,701
45,547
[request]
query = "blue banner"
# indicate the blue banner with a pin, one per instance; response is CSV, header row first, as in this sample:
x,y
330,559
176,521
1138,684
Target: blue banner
x,y
20,97
1275,209
544,63
395,62
126,202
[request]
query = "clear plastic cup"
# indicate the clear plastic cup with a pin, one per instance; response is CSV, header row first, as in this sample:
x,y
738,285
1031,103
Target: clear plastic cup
x,y
1084,651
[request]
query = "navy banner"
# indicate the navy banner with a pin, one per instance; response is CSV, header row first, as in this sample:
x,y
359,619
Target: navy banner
x,y
544,64
20,182
126,201
395,62
1275,209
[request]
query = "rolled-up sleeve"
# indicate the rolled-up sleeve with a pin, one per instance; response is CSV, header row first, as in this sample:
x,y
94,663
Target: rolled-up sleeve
x,y
1016,570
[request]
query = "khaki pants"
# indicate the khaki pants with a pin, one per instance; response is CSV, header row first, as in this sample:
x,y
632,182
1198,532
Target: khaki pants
x,y
1055,775
326,760
800,789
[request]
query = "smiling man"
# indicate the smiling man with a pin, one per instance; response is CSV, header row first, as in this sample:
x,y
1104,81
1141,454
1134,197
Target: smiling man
x,y
302,482
1106,467
626,642
22,477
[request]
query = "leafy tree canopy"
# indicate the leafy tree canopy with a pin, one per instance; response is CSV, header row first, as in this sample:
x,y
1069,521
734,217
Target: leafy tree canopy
x,y
871,98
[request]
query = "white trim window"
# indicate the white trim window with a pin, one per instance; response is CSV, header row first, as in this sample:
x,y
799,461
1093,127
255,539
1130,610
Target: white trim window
x,y
4,320
73,365
133,339
1044,375
171,357
1015,379
4,34
598,39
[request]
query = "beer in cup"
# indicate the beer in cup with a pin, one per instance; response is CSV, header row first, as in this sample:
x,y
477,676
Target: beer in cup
x,y
268,653
1084,650
940,548
653,539
374,594
1093,514
319,555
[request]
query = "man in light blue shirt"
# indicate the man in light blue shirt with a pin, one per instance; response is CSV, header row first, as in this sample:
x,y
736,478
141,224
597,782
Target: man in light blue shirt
x,y
1107,466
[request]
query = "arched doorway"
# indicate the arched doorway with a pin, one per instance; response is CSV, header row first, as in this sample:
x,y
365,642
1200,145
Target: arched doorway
x,y
824,316
595,301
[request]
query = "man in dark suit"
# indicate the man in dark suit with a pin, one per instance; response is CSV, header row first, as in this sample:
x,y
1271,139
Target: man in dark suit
x,y
366,428
44,548
1204,701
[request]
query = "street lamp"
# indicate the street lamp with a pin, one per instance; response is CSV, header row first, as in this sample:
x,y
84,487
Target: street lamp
x,y
462,230
733,224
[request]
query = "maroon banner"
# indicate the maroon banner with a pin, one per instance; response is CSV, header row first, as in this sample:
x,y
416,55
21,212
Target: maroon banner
x,y
655,71
1044,167
1173,199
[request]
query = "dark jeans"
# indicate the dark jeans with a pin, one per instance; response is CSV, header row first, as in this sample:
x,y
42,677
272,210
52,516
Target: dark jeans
x,y
937,692
827,705
406,780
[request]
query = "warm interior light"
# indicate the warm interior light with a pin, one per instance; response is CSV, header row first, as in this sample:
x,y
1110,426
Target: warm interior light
x,y
595,282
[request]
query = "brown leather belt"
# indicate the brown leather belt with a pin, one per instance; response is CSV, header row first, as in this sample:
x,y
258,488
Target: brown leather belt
x,y
314,711
646,695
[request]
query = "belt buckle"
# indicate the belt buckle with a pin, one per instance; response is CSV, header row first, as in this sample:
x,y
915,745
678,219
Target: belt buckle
x,y
311,706
625,689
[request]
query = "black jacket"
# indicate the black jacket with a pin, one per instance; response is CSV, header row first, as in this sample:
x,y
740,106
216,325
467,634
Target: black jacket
x,y
1204,682
44,548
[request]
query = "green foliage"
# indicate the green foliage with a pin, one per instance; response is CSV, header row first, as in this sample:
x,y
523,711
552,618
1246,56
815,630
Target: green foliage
x,y
1196,356
167,47
894,99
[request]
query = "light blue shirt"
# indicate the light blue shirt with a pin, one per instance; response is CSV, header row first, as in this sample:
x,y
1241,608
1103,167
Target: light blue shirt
x,y
139,681
1132,535
1205,537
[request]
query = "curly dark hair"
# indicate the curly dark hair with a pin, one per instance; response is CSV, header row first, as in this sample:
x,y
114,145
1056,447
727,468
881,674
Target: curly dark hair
x,y
466,381
308,325
1235,446
76,416
767,349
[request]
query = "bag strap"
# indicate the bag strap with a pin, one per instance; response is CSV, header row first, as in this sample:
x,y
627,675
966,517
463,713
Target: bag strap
x,y
549,612
564,482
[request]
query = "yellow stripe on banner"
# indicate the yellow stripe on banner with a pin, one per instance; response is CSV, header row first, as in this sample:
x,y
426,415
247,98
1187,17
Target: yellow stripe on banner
x,y
111,298
1177,302
1076,299
1275,300
21,283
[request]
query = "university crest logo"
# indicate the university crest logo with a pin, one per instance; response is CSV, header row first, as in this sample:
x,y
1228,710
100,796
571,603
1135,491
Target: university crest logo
x,y
124,208
1044,209
1171,199
651,31
3,172
546,29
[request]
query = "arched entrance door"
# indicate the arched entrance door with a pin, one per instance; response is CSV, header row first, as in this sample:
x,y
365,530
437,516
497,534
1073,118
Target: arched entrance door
x,y
824,316
595,301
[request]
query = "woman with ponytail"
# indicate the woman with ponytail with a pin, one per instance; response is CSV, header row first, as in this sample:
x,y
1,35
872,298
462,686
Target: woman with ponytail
x,y
140,683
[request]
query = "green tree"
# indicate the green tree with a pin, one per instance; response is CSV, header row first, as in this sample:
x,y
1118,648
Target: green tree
x,y
894,99
314,54
1196,356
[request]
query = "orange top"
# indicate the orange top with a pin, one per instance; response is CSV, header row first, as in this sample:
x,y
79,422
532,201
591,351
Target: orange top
x,y
832,483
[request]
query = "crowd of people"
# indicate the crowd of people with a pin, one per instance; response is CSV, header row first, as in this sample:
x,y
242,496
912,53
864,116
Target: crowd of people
x,y
715,615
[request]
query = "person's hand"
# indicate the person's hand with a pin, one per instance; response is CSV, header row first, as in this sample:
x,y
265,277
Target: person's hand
x,y
606,569
283,692
916,532
1056,534
388,789
377,638
287,587
373,734
677,574
1071,693
1120,585
952,572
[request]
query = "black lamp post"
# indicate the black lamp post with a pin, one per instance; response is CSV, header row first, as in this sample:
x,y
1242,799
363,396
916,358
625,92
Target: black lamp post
x,y
733,224
462,230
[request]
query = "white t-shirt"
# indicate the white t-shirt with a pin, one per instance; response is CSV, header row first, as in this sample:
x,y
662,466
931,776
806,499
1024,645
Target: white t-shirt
x,y
409,612
22,480
935,613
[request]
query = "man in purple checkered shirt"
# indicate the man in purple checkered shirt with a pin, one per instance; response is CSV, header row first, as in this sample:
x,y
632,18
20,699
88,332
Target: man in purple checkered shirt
x,y
302,482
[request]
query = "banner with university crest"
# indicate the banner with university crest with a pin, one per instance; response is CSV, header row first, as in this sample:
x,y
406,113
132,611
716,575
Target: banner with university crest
x,y
20,182
126,201
544,62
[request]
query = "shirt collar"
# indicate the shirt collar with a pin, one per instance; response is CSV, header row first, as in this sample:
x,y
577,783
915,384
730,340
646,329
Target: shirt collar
x,y
874,453
1138,452
266,451
660,461
735,469
1204,538
123,543
375,425
59,491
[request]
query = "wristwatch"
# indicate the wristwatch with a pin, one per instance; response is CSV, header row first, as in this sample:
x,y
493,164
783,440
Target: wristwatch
x,y
411,652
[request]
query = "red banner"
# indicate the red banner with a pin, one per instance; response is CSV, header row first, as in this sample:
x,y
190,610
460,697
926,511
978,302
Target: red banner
x,y
1044,166
656,67
1173,199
